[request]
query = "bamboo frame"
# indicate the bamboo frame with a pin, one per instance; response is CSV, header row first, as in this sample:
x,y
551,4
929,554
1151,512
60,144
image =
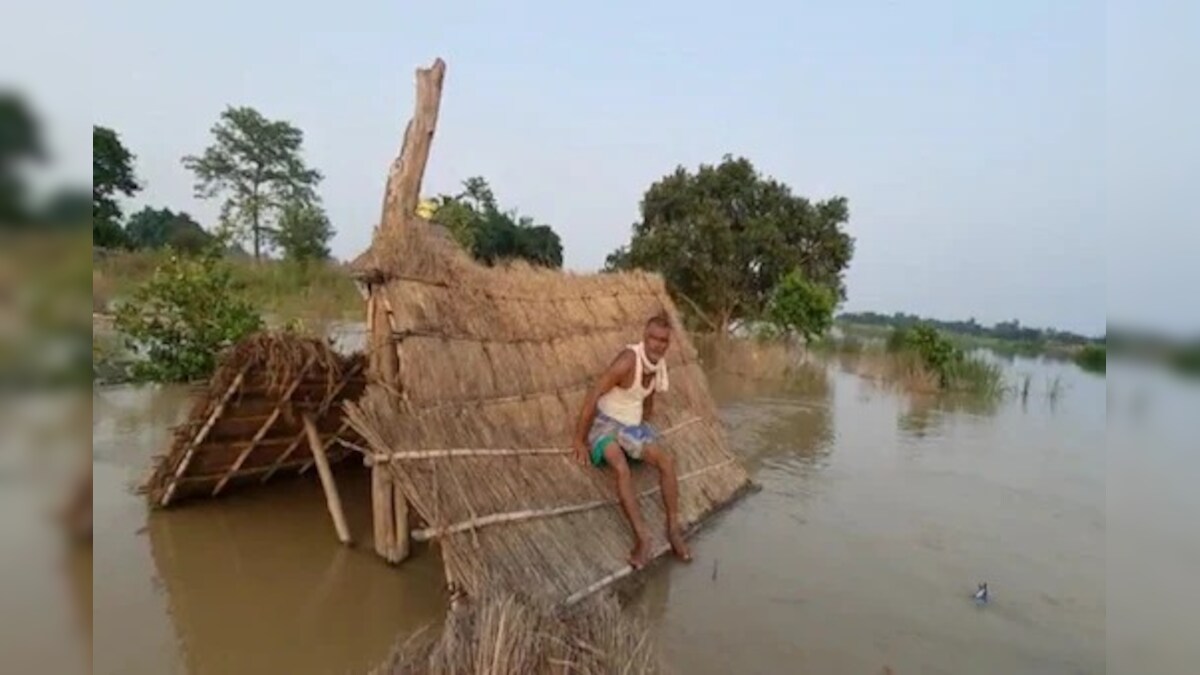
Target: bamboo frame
x,y
246,473
332,499
203,433
266,426
324,408
428,533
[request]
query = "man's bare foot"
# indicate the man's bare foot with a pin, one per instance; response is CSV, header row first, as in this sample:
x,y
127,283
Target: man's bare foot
x,y
678,545
640,554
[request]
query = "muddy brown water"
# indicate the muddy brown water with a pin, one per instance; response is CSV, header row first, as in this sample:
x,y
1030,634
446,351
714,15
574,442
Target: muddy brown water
x,y
878,515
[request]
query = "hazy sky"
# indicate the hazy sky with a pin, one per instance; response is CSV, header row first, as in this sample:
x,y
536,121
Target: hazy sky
x,y
991,152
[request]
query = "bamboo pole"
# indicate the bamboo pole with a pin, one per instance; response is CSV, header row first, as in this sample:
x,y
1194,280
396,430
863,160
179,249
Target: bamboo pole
x,y
332,499
328,442
428,533
266,426
610,579
493,452
203,433
626,570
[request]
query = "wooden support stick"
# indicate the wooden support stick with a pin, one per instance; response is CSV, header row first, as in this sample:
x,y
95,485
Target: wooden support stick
x,y
332,499
218,410
529,514
266,427
328,442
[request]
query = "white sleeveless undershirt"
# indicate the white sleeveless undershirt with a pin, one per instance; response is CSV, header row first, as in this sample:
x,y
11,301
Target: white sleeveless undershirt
x,y
625,404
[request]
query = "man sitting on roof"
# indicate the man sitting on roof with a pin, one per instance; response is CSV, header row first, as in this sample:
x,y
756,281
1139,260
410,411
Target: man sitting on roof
x,y
612,430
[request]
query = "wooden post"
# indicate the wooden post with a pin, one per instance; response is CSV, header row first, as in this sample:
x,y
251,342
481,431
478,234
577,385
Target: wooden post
x,y
400,540
380,505
332,500
390,511
404,179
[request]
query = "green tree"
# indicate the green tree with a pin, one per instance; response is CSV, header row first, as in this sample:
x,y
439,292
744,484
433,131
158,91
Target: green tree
x,y
476,222
800,306
20,144
182,318
112,175
724,236
304,232
256,165
162,228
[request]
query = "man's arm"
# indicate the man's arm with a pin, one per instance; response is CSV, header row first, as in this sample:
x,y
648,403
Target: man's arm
x,y
621,368
648,407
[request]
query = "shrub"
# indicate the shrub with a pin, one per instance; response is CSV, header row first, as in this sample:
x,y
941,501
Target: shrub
x,y
1093,358
798,305
181,318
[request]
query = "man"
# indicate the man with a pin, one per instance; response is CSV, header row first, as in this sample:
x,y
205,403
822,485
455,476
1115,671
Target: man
x,y
613,431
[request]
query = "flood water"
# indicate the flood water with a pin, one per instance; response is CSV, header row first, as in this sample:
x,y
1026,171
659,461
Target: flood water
x,y
879,512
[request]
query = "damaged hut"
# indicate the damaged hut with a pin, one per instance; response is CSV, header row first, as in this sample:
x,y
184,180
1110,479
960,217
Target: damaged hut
x,y
474,379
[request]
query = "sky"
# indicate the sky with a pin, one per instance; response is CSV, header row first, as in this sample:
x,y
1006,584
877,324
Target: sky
x,y
1001,160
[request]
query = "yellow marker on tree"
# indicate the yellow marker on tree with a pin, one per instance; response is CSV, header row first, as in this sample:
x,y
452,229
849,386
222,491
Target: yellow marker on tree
x,y
426,208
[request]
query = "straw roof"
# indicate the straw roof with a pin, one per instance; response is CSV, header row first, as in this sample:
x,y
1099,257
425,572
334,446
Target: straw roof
x,y
493,367
246,424
507,635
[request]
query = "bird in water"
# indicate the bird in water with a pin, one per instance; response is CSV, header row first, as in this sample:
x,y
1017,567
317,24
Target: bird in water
x,y
981,594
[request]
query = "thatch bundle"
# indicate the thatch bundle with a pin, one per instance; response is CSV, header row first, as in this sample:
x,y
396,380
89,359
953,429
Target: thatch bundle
x,y
505,635
246,423
493,365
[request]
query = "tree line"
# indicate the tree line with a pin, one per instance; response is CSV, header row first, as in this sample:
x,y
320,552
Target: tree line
x,y
1011,331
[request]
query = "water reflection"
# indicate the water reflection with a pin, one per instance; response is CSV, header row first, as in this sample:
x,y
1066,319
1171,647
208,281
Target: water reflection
x,y
257,583
925,415
252,582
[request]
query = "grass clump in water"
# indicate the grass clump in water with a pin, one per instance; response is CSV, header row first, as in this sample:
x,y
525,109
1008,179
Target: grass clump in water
x,y
921,351
1093,358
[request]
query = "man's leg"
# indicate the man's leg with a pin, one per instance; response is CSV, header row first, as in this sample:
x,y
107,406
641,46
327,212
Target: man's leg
x,y
669,483
615,457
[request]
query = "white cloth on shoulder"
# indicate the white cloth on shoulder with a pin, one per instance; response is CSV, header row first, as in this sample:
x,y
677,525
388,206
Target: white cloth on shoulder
x,y
662,381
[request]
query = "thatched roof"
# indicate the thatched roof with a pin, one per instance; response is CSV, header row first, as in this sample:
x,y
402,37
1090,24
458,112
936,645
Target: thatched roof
x,y
246,424
493,366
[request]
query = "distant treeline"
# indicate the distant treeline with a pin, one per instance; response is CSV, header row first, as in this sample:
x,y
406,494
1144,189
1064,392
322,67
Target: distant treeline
x,y
1011,331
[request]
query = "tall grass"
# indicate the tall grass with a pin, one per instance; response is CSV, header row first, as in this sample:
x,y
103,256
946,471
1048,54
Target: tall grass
x,y
974,375
286,292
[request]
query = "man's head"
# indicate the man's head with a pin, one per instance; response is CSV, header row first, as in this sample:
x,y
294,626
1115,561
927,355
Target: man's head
x,y
657,336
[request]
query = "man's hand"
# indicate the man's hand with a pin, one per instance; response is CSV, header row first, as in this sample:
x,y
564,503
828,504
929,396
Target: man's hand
x,y
581,452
